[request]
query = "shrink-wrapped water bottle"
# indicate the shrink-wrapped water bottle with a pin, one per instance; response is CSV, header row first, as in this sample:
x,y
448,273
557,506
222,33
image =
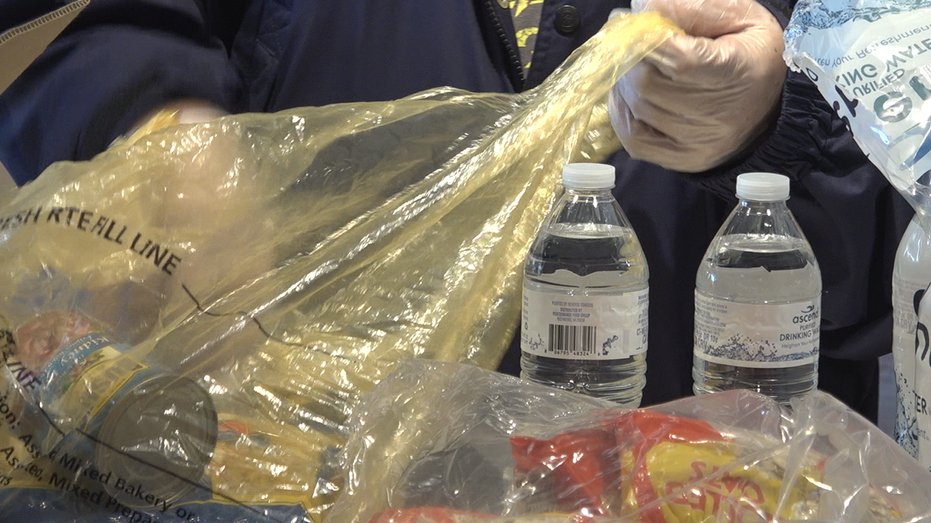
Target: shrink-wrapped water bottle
x,y
586,294
758,298
910,279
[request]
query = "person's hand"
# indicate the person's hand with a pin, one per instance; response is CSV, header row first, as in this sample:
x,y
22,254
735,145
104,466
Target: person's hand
x,y
187,110
700,99
201,187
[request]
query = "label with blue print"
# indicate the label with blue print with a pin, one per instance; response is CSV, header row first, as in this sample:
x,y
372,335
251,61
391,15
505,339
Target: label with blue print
x,y
84,361
757,335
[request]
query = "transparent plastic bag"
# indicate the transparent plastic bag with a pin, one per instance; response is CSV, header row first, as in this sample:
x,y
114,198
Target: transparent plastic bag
x,y
438,441
871,59
189,317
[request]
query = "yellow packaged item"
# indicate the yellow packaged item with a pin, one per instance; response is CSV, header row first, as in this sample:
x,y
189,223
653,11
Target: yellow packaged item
x,y
449,436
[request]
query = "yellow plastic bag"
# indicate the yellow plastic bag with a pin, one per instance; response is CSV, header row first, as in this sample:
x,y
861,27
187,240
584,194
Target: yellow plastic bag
x,y
209,301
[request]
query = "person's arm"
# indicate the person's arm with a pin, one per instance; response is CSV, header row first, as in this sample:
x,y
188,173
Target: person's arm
x,y
118,61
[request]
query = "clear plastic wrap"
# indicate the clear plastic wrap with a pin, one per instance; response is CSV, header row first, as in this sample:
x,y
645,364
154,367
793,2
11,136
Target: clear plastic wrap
x,y
189,317
871,59
441,442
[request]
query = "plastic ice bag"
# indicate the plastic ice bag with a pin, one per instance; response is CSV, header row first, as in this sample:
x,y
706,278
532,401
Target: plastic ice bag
x,y
872,60
440,442
188,318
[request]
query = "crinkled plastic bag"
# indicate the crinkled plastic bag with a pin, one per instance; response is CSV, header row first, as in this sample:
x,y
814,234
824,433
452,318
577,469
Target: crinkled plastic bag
x,y
440,442
188,318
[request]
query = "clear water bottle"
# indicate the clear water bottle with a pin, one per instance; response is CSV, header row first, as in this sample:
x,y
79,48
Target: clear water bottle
x,y
910,279
586,294
758,299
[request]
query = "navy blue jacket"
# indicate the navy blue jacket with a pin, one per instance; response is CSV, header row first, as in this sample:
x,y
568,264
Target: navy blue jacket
x,y
121,58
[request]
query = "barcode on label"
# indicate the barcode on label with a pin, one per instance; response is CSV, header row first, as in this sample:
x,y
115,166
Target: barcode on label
x,y
572,340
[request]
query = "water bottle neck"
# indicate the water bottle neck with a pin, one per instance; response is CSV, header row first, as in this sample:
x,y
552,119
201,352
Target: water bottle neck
x,y
576,193
762,217
760,206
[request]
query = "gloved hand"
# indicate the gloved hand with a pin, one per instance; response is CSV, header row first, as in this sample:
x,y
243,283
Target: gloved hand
x,y
700,99
200,187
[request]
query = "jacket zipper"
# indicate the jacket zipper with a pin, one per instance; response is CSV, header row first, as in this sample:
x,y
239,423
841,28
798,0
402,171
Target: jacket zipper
x,y
516,66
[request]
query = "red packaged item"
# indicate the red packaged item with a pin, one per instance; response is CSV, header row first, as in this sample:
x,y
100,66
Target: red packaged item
x,y
661,469
456,437
581,462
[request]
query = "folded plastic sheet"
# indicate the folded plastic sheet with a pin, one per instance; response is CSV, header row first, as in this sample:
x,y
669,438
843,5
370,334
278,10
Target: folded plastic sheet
x,y
189,318
441,442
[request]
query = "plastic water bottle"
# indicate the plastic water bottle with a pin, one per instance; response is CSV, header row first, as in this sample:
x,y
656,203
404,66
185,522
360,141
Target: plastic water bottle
x,y
586,294
758,299
910,279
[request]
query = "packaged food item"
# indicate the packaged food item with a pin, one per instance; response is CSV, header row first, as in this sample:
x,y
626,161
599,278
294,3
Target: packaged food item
x,y
429,515
254,461
724,457
142,424
664,468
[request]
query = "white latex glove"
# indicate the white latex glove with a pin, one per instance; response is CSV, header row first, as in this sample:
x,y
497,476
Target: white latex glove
x,y
700,99
205,194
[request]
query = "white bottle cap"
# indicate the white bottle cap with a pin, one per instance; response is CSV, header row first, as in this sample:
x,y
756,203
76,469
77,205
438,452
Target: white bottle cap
x,y
763,187
588,176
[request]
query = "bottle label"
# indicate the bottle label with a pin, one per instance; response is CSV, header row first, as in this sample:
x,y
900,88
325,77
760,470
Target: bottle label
x,y
753,335
905,323
919,431
87,361
904,314
584,327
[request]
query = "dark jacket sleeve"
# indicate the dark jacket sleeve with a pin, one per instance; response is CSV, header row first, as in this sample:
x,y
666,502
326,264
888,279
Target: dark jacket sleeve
x,y
117,61
851,215
781,9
